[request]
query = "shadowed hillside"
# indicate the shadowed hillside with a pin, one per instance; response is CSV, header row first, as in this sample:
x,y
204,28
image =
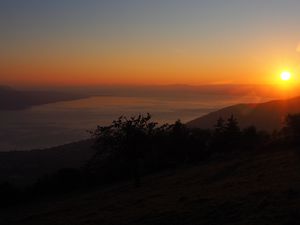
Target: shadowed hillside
x,y
261,188
267,116
145,173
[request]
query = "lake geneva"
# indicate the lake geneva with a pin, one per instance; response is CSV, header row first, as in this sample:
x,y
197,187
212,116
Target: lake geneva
x,y
64,122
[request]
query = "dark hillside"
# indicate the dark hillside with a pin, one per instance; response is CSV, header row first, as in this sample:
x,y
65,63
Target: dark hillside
x,y
260,188
24,167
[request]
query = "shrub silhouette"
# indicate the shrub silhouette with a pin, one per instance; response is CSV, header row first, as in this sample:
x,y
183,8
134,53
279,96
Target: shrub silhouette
x,y
251,138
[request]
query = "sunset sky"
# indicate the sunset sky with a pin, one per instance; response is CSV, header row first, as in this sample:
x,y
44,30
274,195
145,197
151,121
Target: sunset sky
x,y
88,42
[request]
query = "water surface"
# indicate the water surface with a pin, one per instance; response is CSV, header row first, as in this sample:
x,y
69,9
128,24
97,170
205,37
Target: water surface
x,y
64,122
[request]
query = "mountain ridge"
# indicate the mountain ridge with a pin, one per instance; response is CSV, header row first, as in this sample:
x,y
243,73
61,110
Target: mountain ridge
x,y
12,99
267,116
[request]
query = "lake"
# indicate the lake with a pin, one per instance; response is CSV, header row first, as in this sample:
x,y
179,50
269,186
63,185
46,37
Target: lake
x,y
64,122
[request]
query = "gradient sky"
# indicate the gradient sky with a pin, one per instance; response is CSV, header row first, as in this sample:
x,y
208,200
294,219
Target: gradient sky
x,y
73,42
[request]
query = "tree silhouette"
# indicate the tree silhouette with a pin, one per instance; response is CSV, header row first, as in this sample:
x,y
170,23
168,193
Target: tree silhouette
x,y
179,136
225,135
218,139
219,126
292,127
232,133
126,138
232,128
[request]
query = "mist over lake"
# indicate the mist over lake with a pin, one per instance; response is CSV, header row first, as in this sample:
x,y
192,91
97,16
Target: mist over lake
x,y
60,123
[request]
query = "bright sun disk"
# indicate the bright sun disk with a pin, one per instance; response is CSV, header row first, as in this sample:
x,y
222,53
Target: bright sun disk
x,y
285,75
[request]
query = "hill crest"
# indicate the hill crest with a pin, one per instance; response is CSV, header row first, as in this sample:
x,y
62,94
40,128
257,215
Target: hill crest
x,y
266,116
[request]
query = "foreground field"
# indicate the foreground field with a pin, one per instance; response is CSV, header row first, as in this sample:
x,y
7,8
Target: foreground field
x,y
256,188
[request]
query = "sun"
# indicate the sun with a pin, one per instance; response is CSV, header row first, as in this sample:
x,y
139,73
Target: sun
x,y
285,76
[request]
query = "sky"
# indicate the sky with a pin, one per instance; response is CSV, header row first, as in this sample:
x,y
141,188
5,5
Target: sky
x,y
142,42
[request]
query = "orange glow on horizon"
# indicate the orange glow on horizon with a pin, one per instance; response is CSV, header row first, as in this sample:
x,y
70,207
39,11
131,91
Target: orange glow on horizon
x,y
143,70
151,67
104,43
287,84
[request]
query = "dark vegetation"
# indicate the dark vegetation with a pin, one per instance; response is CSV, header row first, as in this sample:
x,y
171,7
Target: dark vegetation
x,y
134,146
131,148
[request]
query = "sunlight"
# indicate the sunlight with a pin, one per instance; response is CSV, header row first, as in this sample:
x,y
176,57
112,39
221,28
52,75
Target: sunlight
x,y
285,79
286,83
285,76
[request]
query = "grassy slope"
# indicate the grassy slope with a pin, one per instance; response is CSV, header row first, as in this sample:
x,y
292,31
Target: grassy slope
x,y
263,188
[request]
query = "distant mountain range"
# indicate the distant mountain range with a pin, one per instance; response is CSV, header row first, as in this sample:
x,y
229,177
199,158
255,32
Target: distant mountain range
x,y
267,116
11,99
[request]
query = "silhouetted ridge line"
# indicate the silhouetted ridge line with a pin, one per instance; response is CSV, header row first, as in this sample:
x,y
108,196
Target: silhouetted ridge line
x,y
267,116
